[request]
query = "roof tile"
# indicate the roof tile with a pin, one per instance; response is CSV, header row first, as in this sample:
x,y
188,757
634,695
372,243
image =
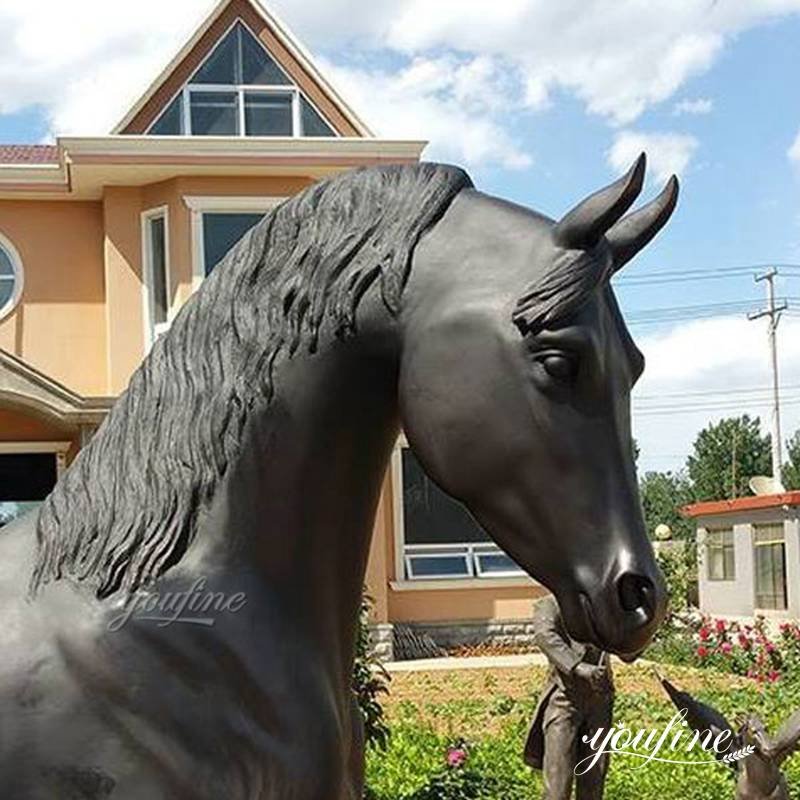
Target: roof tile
x,y
28,154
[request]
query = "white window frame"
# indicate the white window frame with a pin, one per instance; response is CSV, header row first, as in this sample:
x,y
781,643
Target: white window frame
x,y
437,551
219,205
709,542
151,330
240,90
19,276
781,540
471,552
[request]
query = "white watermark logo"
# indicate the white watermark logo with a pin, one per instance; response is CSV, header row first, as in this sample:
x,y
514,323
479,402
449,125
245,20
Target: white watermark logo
x,y
198,605
671,745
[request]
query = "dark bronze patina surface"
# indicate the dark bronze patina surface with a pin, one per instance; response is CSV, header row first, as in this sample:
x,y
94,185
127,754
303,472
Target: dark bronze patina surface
x,y
249,452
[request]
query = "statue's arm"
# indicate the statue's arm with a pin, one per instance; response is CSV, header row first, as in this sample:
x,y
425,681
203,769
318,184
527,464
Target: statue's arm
x,y
787,740
547,634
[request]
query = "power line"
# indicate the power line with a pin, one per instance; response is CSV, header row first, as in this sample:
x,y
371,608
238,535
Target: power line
x,y
732,390
701,311
670,276
702,404
734,406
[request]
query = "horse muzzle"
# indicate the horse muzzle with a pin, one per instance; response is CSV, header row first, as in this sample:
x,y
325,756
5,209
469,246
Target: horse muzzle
x,y
619,615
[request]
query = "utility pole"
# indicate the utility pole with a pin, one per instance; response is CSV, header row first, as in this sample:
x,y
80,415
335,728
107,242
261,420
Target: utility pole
x,y
774,313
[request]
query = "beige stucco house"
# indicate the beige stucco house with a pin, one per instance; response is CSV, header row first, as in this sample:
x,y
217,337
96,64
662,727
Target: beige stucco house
x,y
102,239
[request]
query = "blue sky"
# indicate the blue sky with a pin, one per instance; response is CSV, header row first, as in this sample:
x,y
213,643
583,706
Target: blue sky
x,y
543,103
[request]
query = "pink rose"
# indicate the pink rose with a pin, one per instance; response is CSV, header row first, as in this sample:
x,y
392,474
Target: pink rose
x,y
456,757
726,648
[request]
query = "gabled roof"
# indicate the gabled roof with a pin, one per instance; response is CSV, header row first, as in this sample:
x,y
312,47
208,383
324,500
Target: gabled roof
x,y
287,51
28,154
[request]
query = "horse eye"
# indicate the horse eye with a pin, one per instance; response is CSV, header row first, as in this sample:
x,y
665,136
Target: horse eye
x,y
560,367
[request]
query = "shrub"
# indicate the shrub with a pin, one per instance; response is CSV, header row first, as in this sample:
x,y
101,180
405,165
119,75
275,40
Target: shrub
x,y
457,780
370,681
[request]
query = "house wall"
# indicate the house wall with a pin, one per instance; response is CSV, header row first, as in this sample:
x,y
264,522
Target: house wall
x,y
59,325
123,207
451,612
732,598
736,598
173,194
793,567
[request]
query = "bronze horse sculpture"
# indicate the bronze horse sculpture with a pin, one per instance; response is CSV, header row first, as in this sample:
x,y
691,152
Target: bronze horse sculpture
x,y
248,454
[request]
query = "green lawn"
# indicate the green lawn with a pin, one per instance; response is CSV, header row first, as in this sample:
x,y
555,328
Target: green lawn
x,y
491,710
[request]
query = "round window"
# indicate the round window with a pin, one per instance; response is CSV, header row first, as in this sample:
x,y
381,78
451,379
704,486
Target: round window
x,y
10,278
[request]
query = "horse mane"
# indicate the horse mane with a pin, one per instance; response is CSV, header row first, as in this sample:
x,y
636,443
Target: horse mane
x,y
126,509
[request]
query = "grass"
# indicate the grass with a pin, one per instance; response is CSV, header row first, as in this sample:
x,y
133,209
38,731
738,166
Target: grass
x,y
491,710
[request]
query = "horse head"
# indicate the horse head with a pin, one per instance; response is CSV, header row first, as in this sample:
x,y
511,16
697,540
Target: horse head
x,y
515,379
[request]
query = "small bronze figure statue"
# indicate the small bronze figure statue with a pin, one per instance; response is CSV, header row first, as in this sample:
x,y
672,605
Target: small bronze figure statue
x,y
758,772
578,700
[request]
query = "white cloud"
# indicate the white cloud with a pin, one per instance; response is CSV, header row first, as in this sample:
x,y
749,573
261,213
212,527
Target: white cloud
x,y
700,105
87,63
83,62
705,370
618,58
668,153
794,150
457,105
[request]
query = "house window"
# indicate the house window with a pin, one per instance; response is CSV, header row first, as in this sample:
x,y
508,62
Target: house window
x,y
10,277
770,566
25,481
221,231
441,540
720,554
156,264
240,91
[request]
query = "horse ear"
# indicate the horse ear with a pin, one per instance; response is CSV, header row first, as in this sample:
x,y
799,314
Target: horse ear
x,y
582,228
633,232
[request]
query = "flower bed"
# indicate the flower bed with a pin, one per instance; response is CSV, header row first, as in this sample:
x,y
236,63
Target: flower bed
x,y
757,651
459,735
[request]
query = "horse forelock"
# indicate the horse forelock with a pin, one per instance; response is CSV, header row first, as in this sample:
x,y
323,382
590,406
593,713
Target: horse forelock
x,y
570,281
126,509
574,278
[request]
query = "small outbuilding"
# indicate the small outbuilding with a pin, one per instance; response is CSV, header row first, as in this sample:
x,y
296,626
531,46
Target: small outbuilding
x,y
749,555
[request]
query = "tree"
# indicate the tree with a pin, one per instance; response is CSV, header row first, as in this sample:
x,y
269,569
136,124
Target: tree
x,y
726,455
663,495
791,469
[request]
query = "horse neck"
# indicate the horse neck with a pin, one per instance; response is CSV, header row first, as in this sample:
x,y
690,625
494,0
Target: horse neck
x,y
297,506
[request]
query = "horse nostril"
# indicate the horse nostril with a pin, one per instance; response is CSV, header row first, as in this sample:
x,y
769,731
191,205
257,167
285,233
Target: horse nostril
x,y
636,593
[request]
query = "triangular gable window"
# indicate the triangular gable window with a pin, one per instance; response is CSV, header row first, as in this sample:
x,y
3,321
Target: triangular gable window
x,y
239,90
